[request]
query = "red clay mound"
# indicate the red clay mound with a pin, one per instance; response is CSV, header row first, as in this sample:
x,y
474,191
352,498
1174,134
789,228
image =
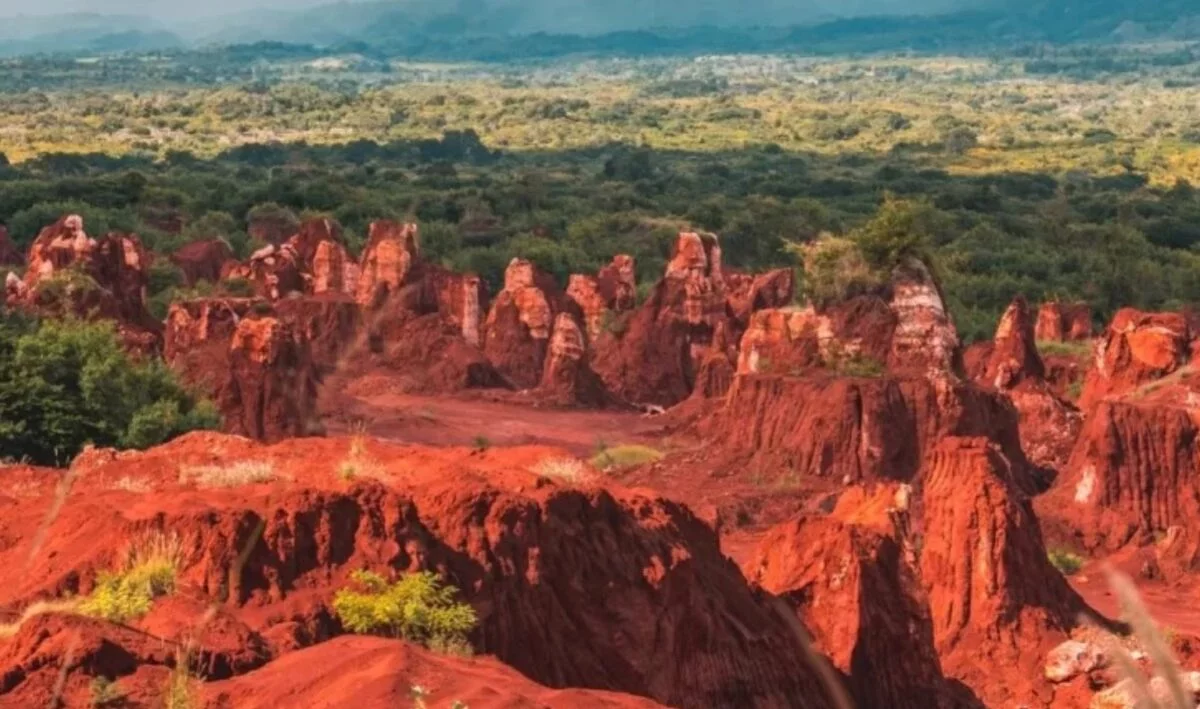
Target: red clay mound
x,y
1064,322
1136,349
568,379
274,270
517,332
206,260
387,259
998,605
599,301
619,590
374,672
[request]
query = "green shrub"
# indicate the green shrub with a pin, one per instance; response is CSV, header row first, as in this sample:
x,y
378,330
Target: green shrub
x,y
625,456
67,383
148,572
1065,561
418,608
834,269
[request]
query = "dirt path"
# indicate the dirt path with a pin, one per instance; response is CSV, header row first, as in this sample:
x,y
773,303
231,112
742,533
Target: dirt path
x,y
462,421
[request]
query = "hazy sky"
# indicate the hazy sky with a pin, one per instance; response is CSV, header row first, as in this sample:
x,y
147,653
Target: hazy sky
x,y
561,11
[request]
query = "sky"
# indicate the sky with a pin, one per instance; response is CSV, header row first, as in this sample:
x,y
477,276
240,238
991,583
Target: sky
x,y
561,14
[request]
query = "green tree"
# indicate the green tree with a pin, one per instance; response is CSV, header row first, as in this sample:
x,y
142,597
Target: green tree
x,y
67,383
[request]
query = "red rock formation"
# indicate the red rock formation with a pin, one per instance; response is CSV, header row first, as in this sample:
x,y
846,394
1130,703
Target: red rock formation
x,y
387,260
851,430
257,368
275,272
330,325
924,341
10,255
322,258
850,577
1014,356
749,293
205,260
652,357
996,600
620,590
617,283
517,331
1064,322
71,273
1134,472
568,379
1011,364
1136,349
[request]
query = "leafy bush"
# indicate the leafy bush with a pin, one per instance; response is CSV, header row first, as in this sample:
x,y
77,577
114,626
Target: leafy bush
x,y
418,607
835,269
1065,561
67,383
1081,349
148,572
626,456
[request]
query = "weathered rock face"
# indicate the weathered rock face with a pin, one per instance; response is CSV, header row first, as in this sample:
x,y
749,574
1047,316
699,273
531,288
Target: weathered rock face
x,y
517,332
322,259
852,430
71,273
568,379
206,260
1064,322
617,283
1014,356
1135,471
850,579
328,325
619,590
1011,364
387,260
996,600
749,293
257,368
10,255
1136,349
600,300
654,354
924,341
275,272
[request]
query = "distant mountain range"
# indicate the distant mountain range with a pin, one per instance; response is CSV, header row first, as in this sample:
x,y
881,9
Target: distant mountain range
x,y
478,29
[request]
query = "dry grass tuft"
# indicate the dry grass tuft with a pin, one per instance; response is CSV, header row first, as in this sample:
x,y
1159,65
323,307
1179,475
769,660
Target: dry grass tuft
x,y
568,470
246,472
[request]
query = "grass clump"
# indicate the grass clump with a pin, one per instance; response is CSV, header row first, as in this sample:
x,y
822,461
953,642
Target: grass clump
x,y
625,456
1079,349
180,692
149,572
1065,561
245,472
106,693
481,443
418,608
569,470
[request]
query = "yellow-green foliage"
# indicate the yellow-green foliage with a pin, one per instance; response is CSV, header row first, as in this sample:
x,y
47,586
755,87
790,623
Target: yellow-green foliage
x,y
1081,349
418,607
626,456
1067,562
148,572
